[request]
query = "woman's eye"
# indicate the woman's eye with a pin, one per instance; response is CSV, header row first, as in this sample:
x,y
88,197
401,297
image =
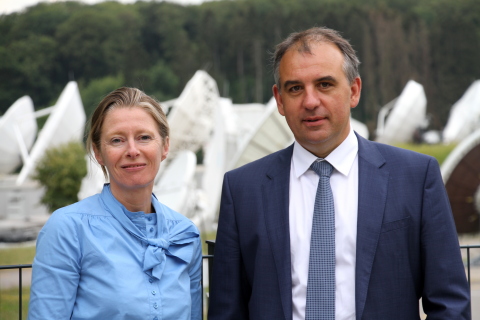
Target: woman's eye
x,y
145,138
116,141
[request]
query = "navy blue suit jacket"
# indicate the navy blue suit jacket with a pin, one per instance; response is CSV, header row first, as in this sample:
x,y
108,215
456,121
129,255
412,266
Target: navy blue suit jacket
x,y
407,246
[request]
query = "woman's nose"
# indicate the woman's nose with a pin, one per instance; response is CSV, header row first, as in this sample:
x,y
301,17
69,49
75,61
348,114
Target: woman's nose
x,y
132,149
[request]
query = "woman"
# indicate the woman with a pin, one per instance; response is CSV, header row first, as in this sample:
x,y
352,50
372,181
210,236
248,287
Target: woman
x,y
120,254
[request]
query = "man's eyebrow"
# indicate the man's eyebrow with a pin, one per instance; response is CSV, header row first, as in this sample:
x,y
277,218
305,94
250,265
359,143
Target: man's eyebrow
x,y
321,79
291,83
327,78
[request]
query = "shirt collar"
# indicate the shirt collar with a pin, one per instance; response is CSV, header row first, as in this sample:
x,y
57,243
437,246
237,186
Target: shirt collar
x,y
341,158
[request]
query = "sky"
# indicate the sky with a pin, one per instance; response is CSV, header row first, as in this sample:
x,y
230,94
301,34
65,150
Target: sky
x,y
9,6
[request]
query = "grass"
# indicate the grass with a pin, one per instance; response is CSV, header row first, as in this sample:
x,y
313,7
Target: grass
x,y
17,255
9,297
9,303
438,151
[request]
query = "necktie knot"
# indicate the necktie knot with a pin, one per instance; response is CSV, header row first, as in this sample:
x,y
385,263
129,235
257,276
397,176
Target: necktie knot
x,y
322,168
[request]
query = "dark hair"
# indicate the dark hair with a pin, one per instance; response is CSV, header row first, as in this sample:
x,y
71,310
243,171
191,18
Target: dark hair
x,y
303,40
124,98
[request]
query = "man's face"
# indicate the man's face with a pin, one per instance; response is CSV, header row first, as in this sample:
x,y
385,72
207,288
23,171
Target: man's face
x,y
315,97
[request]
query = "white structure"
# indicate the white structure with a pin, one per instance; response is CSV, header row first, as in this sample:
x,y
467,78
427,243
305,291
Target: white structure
x,y
66,123
176,188
359,127
18,128
93,182
464,116
192,116
398,120
457,154
271,134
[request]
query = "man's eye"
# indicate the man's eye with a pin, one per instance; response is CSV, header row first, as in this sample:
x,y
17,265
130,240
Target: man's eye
x,y
295,88
325,85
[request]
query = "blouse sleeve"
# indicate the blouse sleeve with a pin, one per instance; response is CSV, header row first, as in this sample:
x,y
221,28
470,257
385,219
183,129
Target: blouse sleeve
x,y
56,269
195,273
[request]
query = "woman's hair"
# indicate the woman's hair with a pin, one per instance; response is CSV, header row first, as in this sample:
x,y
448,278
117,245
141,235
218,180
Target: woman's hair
x,y
124,98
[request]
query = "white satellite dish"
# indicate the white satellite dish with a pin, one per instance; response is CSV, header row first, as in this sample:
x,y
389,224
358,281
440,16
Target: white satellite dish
x,y
93,182
359,127
176,188
464,116
65,123
18,128
192,115
403,116
271,134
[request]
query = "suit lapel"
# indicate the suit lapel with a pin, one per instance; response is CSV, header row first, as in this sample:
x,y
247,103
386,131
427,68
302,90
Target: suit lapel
x,y
372,194
275,197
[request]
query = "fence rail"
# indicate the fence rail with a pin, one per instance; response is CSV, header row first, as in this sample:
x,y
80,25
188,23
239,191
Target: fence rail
x,y
207,258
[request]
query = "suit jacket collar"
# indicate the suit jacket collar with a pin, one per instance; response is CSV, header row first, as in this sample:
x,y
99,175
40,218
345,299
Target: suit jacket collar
x,y
275,193
372,194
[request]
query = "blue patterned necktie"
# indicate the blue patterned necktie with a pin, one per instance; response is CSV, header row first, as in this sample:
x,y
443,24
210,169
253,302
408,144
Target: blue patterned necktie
x,y
321,267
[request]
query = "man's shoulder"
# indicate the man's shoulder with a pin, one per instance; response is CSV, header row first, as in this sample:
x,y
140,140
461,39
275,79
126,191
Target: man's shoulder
x,y
393,154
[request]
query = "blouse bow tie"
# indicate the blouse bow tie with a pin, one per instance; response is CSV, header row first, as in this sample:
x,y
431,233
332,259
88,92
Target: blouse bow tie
x,y
178,246
176,237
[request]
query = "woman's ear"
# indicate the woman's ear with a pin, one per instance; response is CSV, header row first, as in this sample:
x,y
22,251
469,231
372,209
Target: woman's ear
x,y
166,148
98,155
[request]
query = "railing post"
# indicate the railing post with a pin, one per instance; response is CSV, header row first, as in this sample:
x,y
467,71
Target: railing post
x,y
211,252
20,293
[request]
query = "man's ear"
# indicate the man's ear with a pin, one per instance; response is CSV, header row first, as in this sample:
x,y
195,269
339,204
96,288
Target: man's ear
x,y
355,91
278,98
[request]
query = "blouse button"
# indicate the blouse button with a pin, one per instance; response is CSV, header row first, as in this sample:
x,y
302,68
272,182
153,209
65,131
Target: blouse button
x,y
149,218
150,280
155,305
154,292
151,229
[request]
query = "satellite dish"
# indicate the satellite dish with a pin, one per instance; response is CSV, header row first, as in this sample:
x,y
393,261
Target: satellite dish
x,y
93,182
65,123
464,116
461,174
192,114
271,134
176,188
359,127
398,120
18,128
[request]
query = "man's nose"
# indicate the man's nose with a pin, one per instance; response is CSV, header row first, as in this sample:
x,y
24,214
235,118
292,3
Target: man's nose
x,y
311,98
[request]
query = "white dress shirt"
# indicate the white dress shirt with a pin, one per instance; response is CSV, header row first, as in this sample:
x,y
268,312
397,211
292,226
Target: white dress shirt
x,y
303,188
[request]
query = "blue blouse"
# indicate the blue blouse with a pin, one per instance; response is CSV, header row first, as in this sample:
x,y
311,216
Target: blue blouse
x,y
97,260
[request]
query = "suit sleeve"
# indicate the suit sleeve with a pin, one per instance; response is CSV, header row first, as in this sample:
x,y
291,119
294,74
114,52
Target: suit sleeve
x,y
446,293
228,289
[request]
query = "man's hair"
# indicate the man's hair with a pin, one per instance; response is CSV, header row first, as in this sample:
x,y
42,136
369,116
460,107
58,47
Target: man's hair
x,y
124,98
302,41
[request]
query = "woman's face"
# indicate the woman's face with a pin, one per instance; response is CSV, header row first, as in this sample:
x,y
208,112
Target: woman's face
x,y
131,148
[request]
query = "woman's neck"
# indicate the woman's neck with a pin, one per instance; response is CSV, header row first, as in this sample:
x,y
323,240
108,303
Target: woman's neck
x,y
134,199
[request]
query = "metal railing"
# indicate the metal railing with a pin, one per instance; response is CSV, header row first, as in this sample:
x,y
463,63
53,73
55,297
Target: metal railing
x,y
209,258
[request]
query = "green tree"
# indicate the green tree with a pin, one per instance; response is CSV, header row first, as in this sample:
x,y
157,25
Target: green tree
x,y
60,172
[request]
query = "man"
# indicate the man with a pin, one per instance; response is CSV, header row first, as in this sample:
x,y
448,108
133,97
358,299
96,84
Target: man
x,y
394,236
